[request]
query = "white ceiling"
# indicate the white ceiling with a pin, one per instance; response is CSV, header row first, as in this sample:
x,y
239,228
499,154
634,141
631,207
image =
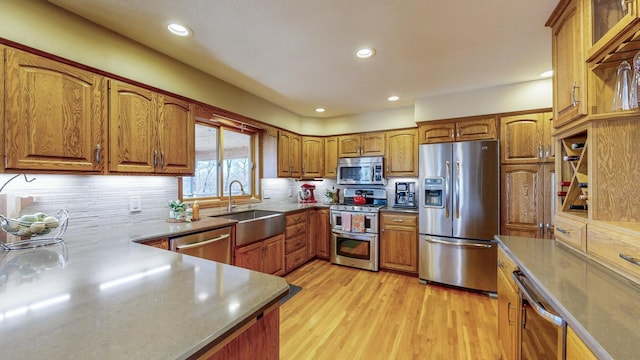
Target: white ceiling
x,y
299,54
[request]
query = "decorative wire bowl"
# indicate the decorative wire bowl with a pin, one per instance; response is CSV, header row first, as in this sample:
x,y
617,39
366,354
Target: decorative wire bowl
x,y
34,234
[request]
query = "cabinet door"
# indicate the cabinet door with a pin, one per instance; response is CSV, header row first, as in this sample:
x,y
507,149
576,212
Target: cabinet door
x,y
576,348
331,157
295,150
437,132
313,223
349,145
399,245
132,129
521,139
402,153
569,76
476,129
312,156
273,261
284,154
250,256
550,199
55,115
176,136
508,317
372,144
323,234
521,200
547,138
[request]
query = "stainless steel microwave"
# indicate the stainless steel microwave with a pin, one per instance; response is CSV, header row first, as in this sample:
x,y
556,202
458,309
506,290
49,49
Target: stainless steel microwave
x,y
361,171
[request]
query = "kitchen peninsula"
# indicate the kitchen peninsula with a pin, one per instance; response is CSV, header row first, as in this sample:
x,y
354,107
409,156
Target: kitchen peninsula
x,y
102,295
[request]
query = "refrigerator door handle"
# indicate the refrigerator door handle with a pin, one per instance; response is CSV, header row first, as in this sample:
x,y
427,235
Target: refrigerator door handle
x,y
457,190
452,243
446,188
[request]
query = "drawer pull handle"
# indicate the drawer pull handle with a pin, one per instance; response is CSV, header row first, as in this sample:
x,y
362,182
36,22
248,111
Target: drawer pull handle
x,y
398,220
631,259
563,231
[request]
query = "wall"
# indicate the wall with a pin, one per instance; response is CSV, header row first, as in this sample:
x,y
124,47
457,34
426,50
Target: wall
x,y
515,97
372,121
43,26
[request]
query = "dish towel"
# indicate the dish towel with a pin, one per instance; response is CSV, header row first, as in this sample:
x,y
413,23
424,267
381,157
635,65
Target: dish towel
x,y
346,221
357,223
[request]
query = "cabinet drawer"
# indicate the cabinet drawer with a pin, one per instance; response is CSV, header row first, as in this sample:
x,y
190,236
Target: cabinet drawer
x,y
295,218
399,219
506,266
295,230
295,243
571,232
295,259
611,246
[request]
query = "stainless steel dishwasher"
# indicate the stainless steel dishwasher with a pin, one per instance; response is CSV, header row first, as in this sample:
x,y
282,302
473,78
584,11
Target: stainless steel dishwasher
x,y
211,244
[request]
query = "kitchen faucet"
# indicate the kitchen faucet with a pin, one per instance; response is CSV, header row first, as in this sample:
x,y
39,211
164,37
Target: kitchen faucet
x,y
241,189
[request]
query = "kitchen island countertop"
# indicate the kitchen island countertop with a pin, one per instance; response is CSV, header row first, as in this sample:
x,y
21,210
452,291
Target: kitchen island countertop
x,y
100,295
601,306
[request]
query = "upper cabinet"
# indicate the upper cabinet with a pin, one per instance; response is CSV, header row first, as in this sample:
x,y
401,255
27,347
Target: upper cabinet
x,y
331,157
55,115
463,129
289,154
312,156
365,144
569,69
402,153
148,132
526,138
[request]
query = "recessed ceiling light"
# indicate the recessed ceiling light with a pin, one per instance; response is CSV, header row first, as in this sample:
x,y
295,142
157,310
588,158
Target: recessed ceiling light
x,y
320,110
365,53
547,74
178,29
393,98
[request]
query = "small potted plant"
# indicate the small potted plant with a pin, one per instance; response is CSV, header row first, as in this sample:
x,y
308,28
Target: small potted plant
x,y
177,209
329,196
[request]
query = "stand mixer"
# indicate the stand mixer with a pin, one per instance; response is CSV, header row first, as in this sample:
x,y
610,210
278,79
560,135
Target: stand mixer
x,y
306,194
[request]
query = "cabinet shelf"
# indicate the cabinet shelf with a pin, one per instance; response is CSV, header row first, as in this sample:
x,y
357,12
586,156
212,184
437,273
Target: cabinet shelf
x,y
576,172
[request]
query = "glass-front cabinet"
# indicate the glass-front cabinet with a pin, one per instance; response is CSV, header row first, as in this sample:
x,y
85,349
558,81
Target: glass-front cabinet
x,y
611,16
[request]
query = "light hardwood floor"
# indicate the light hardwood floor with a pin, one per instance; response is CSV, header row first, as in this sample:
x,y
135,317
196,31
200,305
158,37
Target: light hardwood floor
x,y
346,313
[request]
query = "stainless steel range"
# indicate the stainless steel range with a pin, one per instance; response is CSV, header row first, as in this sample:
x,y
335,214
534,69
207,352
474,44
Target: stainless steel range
x,y
354,228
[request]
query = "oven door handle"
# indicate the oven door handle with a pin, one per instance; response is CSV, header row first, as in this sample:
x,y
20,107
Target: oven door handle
x,y
348,234
201,243
534,302
452,243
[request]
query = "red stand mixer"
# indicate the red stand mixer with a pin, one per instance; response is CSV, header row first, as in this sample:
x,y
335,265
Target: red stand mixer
x,y
306,194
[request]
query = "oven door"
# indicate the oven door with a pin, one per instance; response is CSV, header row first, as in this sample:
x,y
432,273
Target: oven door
x,y
356,250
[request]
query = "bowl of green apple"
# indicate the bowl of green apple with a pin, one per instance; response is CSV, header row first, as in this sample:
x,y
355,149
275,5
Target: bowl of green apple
x,y
36,229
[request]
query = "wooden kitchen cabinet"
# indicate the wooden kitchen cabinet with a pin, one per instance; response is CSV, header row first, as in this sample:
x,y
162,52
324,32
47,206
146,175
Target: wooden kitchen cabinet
x,y
265,256
462,129
526,138
55,115
323,233
312,157
527,201
509,313
162,243
295,239
576,348
399,242
365,144
569,66
402,153
313,224
149,133
289,154
331,157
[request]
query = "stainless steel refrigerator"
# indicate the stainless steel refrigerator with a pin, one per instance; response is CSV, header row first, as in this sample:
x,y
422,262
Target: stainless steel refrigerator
x,y
459,213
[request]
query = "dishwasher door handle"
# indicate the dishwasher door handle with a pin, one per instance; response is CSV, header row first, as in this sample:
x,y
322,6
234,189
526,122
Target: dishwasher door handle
x,y
202,243
534,302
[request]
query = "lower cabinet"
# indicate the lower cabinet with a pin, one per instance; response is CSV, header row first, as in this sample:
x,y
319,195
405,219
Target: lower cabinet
x,y
266,256
162,243
322,233
399,242
576,349
508,308
295,240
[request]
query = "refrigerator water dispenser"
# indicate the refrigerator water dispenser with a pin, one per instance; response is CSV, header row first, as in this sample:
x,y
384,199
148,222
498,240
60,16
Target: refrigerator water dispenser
x,y
434,192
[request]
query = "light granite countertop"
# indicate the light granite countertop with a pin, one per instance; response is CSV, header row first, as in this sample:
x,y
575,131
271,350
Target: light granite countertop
x,y
601,306
101,295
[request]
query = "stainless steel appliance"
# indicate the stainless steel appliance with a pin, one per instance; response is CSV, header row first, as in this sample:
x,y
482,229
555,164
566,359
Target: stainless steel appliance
x,y
543,330
405,195
354,228
211,245
361,171
459,213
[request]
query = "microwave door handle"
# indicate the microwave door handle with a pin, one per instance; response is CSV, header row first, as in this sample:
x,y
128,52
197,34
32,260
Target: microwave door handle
x,y
534,302
457,190
446,188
